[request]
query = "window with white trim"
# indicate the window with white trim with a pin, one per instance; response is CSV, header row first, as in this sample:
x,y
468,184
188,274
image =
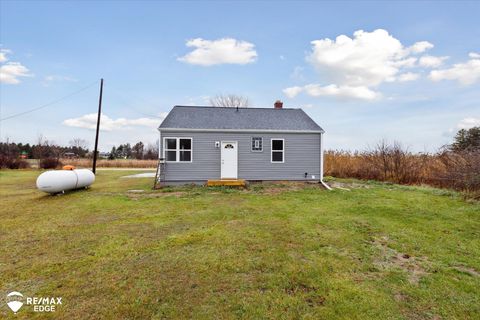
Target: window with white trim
x,y
257,144
278,150
177,149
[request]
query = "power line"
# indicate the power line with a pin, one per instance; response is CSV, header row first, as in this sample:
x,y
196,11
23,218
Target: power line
x,y
120,96
50,103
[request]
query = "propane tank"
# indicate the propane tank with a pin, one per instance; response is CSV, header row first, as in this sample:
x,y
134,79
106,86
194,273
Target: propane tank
x,y
56,181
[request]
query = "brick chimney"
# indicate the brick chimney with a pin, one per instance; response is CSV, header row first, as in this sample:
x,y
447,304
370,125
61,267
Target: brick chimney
x,y
278,104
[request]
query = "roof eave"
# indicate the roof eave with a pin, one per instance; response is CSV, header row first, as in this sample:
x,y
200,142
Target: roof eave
x,y
239,130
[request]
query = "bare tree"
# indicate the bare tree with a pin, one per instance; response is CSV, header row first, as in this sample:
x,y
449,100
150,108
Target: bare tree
x,y
79,147
151,151
47,153
230,100
459,170
78,143
39,149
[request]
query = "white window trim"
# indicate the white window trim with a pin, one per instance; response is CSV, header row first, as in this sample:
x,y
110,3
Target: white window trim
x,y
251,146
282,151
177,150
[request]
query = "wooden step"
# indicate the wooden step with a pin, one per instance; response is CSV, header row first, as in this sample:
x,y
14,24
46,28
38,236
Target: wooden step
x,y
227,182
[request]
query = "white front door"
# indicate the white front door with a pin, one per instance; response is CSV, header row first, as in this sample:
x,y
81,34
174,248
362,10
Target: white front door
x,y
229,160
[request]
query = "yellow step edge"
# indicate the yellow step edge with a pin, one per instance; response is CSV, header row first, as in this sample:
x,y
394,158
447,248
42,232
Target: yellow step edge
x,y
226,182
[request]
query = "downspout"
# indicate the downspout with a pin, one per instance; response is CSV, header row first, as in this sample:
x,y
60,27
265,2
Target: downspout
x,y
321,163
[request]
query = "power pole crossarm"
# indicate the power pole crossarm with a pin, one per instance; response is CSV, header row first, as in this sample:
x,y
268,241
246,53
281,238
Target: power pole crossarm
x,y
98,127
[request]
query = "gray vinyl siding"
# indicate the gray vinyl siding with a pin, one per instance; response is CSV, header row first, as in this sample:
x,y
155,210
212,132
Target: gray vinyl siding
x,y
302,154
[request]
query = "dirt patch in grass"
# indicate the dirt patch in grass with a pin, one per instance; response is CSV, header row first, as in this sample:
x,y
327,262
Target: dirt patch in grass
x,y
311,297
470,271
411,265
269,188
300,287
315,301
274,188
273,191
139,195
390,259
348,185
401,297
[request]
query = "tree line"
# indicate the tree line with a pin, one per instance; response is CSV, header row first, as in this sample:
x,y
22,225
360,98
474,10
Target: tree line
x,y
49,154
43,148
138,151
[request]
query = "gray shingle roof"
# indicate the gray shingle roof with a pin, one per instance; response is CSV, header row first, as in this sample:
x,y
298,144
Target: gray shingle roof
x,y
195,117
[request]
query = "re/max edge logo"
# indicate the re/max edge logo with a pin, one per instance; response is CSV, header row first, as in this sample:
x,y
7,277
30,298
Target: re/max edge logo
x,y
16,300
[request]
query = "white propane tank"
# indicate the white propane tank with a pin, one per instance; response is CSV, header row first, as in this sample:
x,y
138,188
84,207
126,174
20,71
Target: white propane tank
x,y
62,180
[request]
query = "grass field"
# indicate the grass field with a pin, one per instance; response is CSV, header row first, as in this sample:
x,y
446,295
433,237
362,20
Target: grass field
x,y
279,251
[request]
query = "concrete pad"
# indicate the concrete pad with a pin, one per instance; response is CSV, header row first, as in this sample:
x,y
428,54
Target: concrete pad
x,y
141,175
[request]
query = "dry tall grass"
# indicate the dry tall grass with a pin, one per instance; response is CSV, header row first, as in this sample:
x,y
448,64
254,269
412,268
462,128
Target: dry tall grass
x,y
117,163
393,163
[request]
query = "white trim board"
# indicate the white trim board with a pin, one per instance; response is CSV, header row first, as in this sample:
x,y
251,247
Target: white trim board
x,y
272,151
177,150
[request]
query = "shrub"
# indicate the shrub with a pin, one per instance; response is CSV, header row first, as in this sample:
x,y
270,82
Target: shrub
x,y
13,163
460,171
4,161
50,163
19,164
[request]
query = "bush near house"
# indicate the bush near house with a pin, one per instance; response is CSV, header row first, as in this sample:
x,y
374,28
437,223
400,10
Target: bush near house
x,y
50,163
10,157
8,162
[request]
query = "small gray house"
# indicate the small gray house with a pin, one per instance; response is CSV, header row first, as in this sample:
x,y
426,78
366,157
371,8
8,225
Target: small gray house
x,y
200,144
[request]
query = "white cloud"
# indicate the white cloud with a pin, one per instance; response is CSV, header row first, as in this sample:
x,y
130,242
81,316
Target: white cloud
x,y
408,76
203,100
431,61
406,63
3,54
292,92
355,66
59,78
466,73
419,47
221,51
332,90
297,74
468,123
367,59
474,55
11,71
89,121
48,80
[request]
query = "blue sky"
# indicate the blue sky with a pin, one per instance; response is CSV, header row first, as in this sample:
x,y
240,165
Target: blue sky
x,y
412,75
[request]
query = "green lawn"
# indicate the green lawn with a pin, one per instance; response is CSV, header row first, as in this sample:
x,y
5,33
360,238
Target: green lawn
x,y
269,252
